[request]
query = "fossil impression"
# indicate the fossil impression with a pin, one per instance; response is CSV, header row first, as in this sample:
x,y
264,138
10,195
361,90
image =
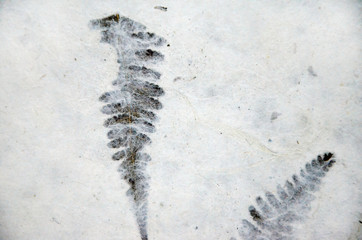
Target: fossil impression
x,y
132,103
275,218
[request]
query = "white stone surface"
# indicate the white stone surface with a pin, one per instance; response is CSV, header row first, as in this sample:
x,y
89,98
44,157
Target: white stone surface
x,y
230,67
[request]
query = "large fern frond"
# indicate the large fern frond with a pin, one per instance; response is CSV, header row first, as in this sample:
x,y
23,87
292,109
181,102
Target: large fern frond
x,y
131,103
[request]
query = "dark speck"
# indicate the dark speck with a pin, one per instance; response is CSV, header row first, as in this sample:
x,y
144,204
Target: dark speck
x,y
274,116
196,227
161,8
311,71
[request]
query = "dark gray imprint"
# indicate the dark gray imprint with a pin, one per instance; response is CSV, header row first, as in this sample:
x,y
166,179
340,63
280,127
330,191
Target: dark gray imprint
x,y
132,103
275,218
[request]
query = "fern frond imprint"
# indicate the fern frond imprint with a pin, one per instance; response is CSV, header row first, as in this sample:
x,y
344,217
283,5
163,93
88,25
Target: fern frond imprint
x,y
275,218
131,104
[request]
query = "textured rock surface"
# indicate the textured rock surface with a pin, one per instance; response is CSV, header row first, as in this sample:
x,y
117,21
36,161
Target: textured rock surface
x,y
253,91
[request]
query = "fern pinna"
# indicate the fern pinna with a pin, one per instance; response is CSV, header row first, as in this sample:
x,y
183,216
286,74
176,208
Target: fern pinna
x,y
275,218
131,104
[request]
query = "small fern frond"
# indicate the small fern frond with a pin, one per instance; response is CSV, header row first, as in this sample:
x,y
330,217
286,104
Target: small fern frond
x,y
276,215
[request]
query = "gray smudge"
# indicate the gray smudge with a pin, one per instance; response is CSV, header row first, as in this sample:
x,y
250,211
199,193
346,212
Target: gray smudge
x,y
311,71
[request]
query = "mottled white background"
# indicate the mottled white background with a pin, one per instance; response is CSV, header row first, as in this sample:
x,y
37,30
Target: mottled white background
x,y
216,147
